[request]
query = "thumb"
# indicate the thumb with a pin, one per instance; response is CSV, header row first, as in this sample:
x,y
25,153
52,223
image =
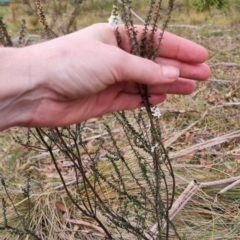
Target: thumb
x,y
145,71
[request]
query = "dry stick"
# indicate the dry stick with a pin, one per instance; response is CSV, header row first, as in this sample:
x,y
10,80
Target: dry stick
x,y
234,152
228,104
223,238
219,182
163,110
189,26
179,204
79,180
188,193
197,166
226,189
223,80
206,144
227,64
87,224
178,135
198,91
188,197
135,14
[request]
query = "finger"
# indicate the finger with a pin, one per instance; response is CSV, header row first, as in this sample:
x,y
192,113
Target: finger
x,y
126,101
136,69
181,86
172,46
191,71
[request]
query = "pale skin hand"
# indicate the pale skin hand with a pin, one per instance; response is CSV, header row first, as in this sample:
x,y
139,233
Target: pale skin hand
x,y
85,74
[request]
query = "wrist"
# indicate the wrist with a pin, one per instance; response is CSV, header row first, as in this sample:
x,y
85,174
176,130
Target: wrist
x,y
19,79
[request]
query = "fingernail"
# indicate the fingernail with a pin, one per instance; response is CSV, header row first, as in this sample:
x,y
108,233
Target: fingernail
x,y
170,72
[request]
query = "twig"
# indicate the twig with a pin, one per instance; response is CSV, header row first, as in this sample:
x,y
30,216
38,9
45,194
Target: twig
x,y
178,135
198,91
42,155
195,166
7,41
68,183
206,144
227,64
219,182
226,189
222,80
179,204
192,188
228,104
135,14
189,26
87,224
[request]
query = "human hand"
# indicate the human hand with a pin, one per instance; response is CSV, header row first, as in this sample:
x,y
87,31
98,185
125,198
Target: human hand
x,y
85,74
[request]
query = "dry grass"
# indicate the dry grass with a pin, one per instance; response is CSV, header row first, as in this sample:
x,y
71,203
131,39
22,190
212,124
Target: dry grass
x,y
212,111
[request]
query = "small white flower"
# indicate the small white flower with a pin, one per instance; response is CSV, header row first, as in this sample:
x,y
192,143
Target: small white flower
x,y
154,147
114,21
156,112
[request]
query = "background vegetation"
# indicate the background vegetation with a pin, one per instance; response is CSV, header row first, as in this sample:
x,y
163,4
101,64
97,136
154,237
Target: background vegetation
x,y
194,131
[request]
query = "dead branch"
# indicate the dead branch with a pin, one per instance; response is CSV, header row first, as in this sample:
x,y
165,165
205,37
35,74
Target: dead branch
x,y
226,64
192,188
179,134
206,144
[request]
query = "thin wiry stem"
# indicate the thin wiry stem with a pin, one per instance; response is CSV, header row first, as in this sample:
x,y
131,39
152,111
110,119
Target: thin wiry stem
x,y
39,131
4,36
